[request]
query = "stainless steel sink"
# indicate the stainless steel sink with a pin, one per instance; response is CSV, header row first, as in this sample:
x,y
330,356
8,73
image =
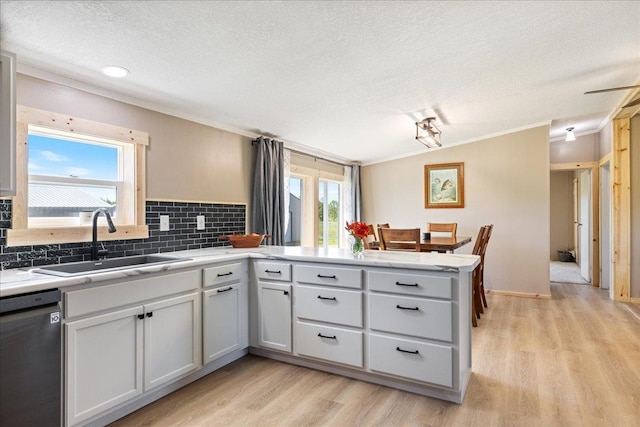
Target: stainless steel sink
x,y
89,267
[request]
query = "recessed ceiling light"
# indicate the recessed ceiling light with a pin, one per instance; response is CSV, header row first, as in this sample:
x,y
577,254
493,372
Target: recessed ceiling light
x,y
115,71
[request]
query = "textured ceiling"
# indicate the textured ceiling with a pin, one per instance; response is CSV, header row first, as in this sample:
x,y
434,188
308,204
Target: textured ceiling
x,y
345,78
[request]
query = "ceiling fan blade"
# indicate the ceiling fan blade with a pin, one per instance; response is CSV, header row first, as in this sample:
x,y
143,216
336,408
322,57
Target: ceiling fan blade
x,y
632,103
612,89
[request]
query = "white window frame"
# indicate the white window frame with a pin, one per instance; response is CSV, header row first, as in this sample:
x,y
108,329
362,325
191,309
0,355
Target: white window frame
x,y
125,151
130,225
311,178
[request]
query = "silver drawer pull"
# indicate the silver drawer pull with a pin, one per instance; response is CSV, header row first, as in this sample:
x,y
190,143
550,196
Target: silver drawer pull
x,y
327,336
327,298
333,276
225,274
407,308
407,351
406,284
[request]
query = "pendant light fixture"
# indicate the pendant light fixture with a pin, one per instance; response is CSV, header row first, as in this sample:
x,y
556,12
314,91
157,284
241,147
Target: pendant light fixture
x,y
427,133
570,135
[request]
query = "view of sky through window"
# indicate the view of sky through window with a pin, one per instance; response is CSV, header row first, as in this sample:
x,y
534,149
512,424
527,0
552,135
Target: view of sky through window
x,y
58,157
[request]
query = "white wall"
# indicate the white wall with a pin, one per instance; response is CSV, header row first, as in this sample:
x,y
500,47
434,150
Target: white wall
x,y
506,184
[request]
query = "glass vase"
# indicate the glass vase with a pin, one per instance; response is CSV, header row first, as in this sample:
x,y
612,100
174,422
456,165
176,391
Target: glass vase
x,y
357,247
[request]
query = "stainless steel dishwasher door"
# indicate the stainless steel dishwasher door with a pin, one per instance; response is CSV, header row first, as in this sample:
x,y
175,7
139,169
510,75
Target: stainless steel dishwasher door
x,y
30,360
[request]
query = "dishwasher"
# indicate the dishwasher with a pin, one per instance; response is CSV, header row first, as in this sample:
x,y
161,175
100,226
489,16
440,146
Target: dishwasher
x,y
30,359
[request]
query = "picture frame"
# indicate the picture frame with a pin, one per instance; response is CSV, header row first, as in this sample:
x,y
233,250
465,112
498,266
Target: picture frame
x,y
444,185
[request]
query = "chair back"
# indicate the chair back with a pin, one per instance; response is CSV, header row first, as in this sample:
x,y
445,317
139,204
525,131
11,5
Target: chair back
x,y
485,240
399,239
441,227
371,237
477,247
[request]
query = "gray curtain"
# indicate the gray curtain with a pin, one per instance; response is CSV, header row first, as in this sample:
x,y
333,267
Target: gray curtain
x,y
267,203
356,193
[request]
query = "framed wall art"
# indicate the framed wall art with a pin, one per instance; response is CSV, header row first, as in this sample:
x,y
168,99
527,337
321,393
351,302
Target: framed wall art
x,y
444,185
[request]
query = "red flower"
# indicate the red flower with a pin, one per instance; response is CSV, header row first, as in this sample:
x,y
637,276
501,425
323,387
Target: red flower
x,y
358,229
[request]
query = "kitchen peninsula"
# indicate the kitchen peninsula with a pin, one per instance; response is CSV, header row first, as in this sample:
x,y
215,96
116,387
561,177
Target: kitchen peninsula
x,y
396,319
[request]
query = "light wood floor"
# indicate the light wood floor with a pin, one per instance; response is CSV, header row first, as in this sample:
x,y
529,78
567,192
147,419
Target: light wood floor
x,y
573,360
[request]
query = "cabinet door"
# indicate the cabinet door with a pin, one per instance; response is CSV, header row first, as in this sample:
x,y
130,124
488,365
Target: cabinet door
x,y
274,316
7,124
103,362
171,339
222,323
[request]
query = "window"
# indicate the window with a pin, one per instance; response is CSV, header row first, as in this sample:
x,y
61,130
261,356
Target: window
x,y
315,203
329,213
68,166
293,236
71,174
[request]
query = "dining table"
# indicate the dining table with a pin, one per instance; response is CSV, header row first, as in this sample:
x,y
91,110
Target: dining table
x,y
434,244
444,244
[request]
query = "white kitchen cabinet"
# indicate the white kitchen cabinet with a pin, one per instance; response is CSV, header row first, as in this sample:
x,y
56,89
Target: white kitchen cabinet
x,y
7,124
108,354
171,339
224,321
103,363
129,338
274,316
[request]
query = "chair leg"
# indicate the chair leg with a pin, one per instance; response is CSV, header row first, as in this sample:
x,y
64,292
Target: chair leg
x,y
474,322
484,298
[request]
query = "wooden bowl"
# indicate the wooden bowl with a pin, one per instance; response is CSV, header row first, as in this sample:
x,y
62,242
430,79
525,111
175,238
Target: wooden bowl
x,y
245,240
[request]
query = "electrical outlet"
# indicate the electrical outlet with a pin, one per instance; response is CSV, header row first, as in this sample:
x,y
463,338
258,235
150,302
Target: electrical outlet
x,y
200,222
164,222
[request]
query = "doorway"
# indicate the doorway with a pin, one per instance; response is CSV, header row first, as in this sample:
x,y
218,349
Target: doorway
x,y
575,235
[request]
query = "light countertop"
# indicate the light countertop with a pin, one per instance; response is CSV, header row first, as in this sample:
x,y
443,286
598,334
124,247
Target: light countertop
x,y
17,281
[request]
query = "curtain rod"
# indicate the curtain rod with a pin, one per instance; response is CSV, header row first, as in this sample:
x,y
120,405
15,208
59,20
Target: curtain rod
x,y
302,153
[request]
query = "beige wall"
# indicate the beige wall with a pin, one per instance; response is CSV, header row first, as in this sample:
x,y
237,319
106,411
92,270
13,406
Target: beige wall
x,y
583,149
561,218
605,137
635,207
506,184
185,160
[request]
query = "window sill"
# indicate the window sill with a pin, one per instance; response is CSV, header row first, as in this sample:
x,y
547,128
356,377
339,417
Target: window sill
x,y
54,235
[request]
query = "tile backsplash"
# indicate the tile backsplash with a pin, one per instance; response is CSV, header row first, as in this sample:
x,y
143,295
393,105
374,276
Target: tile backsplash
x,y
182,234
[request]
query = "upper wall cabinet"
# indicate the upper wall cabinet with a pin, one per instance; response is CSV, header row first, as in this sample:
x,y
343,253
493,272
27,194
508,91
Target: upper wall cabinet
x,y
7,124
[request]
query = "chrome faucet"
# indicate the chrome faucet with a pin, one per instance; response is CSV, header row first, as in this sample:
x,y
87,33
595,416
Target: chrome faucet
x,y
95,253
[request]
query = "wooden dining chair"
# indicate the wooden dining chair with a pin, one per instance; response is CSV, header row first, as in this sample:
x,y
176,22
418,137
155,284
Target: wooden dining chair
x,y
399,239
485,243
371,237
476,300
442,227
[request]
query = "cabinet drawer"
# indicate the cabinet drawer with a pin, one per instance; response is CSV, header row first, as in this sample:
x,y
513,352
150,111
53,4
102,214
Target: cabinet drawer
x,y
411,359
273,270
411,316
329,305
329,275
332,344
221,274
411,284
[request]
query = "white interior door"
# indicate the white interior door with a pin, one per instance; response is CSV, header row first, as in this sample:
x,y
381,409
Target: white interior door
x,y
605,227
584,225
